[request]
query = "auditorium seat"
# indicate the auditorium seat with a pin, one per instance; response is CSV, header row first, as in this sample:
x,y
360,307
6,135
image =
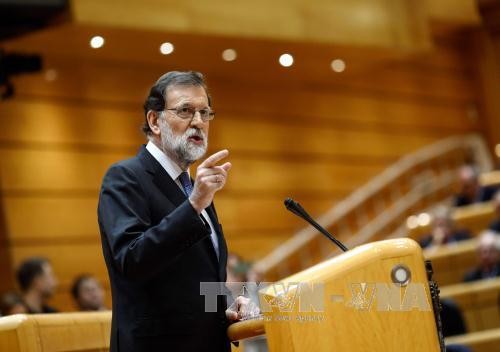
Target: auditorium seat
x,y
451,262
479,341
479,302
475,218
491,178
83,332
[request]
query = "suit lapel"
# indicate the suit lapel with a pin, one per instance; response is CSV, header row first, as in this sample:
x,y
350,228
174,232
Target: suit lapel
x,y
172,191
161,178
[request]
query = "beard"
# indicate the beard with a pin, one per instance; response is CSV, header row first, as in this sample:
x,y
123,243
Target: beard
x,y
179,147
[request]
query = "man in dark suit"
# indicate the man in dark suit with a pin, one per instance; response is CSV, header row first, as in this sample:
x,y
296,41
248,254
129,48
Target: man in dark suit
x,y
488,258
160,234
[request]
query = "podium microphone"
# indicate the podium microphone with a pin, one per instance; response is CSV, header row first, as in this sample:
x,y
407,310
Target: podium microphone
x,y
297,209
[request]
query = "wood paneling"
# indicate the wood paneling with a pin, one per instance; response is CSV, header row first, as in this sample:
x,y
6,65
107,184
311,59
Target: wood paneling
x,y
382,23
74,218
66,170
304,132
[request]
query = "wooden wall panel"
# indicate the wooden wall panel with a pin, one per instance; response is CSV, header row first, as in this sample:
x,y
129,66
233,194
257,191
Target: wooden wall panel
x,y
59,170
304,132
50,217
333,121
65,258
67,219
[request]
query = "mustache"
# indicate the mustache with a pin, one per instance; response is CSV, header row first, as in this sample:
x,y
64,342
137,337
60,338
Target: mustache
x,y
194,132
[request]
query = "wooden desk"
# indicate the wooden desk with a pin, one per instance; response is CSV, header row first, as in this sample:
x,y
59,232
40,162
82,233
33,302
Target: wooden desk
x,y
479,341
451,262
82,332
474,217
479,302
357,313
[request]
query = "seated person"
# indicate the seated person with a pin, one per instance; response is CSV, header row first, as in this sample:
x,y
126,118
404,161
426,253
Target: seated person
x,y
88,293
470,191
457,348
451,318
443,230
38,283
495,224
12,303
488,257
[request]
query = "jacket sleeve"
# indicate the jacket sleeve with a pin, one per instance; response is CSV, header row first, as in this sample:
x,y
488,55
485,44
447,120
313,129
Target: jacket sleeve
x,y
140,249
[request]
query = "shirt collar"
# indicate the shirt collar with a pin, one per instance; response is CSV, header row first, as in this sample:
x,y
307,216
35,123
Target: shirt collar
x,y
168,164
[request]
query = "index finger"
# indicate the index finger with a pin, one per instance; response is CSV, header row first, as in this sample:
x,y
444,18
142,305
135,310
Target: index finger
x,y
214,158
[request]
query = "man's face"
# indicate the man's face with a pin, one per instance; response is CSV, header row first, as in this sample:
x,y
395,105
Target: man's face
x,y
185,140
91,295
442,227
488,255
46,283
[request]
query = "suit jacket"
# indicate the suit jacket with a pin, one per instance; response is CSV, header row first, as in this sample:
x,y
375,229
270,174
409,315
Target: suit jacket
x,y
478,274
157,250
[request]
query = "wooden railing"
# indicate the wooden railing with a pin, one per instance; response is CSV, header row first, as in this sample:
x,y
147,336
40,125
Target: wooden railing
x,y
379,209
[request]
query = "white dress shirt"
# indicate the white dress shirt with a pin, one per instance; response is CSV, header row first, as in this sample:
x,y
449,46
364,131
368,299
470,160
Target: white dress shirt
x,y
174,171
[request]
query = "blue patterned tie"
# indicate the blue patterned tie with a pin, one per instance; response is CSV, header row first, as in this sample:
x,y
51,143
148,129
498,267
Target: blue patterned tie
x,y
186,183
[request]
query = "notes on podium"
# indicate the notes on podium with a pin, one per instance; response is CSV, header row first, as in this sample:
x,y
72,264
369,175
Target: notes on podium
x,y
375,297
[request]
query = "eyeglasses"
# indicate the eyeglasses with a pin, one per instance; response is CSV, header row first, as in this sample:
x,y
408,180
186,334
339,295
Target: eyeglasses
x,y
188,112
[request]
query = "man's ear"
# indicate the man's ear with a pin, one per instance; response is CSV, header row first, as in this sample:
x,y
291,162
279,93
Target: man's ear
x,y
153,118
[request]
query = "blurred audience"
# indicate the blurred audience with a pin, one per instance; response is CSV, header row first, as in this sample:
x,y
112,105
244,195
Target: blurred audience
x,y
488,257
469,189
38,283
443,230
88,293
495,224
12,303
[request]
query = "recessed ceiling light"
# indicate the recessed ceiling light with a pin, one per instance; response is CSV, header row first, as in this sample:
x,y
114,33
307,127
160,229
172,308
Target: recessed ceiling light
x,y
96,42
229,55
167,48
286,60
338,65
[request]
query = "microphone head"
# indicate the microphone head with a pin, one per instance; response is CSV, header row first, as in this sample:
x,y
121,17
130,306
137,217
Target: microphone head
x,y
293,206
289,202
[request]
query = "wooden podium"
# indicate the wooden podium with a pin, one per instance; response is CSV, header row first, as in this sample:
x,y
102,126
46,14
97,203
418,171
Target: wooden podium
x,y
376,297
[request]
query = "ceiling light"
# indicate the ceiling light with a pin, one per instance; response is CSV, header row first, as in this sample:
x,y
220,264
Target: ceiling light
x,y
96,42
229,55
167,48
338,65
286,60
